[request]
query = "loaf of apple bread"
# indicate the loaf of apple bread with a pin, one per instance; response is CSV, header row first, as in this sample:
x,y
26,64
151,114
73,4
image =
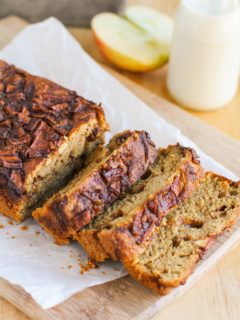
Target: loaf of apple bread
x,y
111,171
133,218
184,235
44,131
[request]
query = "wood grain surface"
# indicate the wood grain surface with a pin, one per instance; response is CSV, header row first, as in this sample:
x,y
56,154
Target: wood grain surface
x,y
216,296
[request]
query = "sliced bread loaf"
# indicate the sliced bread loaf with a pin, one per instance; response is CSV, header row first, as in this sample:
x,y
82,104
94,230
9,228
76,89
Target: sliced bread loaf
x,y
170,180
184,235
111,171
45,130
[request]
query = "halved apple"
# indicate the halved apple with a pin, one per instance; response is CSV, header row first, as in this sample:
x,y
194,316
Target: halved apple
x,y
153,21
126,45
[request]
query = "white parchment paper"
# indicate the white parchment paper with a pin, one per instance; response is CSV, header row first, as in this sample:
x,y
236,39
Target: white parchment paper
x,y
28,257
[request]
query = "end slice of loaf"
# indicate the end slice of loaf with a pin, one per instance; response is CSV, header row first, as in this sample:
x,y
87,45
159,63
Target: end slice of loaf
x,y
111,171
131,220
185,234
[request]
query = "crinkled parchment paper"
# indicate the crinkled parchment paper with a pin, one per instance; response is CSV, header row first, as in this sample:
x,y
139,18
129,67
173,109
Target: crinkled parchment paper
x,y
28,257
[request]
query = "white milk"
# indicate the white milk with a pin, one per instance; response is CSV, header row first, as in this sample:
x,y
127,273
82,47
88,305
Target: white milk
x,y
204,62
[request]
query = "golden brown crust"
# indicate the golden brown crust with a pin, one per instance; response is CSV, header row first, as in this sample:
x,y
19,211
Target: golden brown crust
x,y
112,243
8,209
154,281
36,115
130,154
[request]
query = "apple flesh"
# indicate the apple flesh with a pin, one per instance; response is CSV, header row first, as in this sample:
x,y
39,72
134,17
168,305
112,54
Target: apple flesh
x,y
158,24
126,45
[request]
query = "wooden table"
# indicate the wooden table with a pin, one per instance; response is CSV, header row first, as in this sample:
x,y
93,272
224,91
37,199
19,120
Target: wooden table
x,y
216,296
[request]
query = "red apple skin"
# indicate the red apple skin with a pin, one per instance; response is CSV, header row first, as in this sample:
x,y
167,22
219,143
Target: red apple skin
x,y
124,62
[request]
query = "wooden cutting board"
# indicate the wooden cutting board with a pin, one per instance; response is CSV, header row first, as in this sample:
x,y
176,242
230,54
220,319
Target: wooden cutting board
x,y
123,298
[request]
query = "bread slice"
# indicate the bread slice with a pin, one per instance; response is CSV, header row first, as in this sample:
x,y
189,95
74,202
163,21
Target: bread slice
x,y
44,131
185,234
110,173
169,181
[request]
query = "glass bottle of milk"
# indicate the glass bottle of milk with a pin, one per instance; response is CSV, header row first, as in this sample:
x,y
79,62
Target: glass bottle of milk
x,y
205,55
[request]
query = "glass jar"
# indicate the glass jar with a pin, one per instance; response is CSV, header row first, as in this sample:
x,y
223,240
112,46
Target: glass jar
x,y
204,62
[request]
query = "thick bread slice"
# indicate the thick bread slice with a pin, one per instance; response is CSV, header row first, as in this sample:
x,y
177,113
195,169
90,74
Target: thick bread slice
x,y
185,234
132,219
111,172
